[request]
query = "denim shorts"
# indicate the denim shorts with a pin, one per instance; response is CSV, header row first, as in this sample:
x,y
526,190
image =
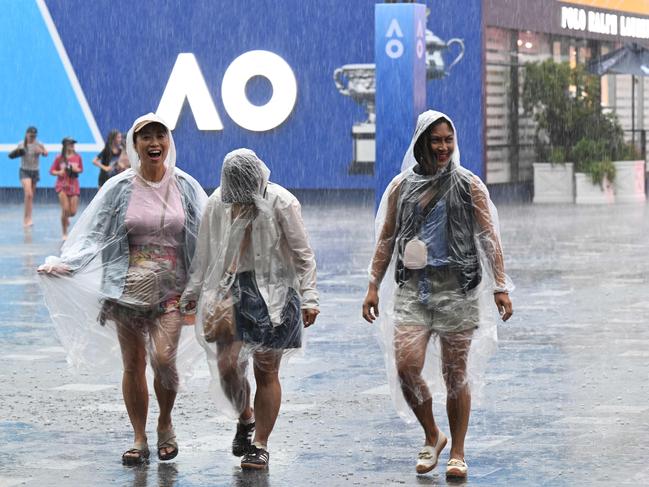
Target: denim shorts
x,y
253,321
32,174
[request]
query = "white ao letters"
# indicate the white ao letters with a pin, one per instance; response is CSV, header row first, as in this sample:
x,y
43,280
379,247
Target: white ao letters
x,y
187,82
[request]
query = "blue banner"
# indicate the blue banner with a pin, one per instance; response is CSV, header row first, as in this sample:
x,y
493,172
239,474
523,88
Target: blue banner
x,y
400,84
230,74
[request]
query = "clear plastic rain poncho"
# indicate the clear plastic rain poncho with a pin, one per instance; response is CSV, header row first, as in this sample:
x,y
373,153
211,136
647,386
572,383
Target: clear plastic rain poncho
x,y
438,257
253,273
123,268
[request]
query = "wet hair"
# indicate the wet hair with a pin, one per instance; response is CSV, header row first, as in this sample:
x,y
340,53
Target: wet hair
x,y
241,179
421,146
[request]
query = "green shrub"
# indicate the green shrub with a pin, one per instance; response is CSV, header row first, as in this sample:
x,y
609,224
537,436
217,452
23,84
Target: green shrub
x,y
593,157
557,155
629,153
564,103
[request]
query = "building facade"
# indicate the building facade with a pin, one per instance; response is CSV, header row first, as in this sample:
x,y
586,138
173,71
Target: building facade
x,y
575,31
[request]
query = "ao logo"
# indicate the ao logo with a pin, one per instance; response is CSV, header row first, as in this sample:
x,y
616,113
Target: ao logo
x,y
394,47
187,81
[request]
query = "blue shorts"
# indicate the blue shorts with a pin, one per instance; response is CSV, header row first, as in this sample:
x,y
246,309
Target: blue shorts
x,y
253,321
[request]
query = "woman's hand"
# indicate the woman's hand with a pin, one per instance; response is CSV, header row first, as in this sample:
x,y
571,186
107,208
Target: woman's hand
x,y
371,304
54,270
504,305
309,316
97,162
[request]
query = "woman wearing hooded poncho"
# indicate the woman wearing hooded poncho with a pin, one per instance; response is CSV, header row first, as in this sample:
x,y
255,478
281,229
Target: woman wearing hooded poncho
x,y
124,266
438,234
253,285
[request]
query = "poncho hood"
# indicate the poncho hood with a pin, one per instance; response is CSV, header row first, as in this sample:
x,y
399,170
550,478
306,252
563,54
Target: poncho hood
x,y
244,177
424,121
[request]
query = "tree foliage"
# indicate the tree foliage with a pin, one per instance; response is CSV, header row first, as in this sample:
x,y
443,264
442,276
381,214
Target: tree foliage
x,y
570,124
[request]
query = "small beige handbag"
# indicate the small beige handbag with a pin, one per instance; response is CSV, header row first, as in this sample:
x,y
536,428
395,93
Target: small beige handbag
x,y
142,286
219,323
415,254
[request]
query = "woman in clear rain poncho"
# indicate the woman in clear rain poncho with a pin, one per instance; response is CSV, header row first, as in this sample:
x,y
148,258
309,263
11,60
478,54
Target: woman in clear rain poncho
x,y
438,234
124,266
253,284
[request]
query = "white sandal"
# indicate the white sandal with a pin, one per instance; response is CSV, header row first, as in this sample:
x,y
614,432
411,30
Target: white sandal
x,y
456,468
428,456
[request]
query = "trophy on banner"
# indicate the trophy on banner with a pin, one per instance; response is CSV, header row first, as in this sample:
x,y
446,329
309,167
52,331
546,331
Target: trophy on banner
x,y
358,81
435,67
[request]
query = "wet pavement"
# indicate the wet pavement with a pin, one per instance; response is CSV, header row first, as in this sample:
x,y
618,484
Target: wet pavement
x,y
566,402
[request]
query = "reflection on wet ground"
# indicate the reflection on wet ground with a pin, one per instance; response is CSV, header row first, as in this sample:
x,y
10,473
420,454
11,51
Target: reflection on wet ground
x,y
566,401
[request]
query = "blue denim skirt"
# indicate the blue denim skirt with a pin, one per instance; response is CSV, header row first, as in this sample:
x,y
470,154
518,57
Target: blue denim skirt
x,y
253,321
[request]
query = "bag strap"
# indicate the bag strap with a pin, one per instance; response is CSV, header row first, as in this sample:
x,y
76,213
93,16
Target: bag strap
x,y
421,213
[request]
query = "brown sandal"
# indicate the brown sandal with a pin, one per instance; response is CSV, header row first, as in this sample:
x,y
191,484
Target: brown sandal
x,y
167,439
137,455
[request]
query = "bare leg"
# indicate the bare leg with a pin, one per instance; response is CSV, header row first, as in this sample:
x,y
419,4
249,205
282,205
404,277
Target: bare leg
x,y
268,397
134,387
65,211
165,334
28,190
410,342
74,205
232,373
455,350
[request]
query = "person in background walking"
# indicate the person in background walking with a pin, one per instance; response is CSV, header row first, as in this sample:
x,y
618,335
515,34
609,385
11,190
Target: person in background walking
x,y
29,151
108,159
67,167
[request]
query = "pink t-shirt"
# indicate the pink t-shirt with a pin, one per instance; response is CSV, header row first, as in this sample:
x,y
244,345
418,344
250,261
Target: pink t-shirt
x,y
145,210
69,185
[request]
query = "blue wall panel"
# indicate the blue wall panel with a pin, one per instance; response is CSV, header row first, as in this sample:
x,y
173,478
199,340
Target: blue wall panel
x,y
123,52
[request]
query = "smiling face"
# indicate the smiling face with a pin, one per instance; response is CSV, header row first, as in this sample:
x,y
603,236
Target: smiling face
x,y
152,146
441,141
